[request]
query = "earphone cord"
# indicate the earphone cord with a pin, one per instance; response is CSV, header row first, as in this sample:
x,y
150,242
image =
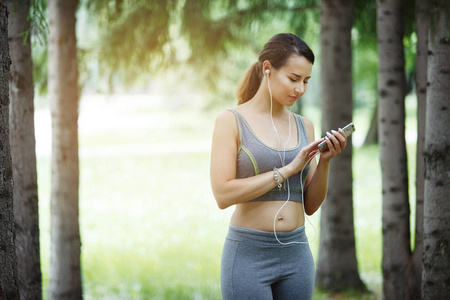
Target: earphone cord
x,y
283,160
303,203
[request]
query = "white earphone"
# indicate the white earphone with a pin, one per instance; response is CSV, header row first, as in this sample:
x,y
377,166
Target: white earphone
x,y
267,71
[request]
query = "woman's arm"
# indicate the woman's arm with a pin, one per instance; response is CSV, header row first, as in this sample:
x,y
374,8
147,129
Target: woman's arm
x,y
317,182
226,188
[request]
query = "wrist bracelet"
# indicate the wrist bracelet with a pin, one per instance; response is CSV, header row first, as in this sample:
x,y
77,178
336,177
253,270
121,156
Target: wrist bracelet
x,y
279,173
275,176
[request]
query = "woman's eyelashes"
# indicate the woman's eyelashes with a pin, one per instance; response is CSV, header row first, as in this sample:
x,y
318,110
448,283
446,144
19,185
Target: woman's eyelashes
x,y
296,80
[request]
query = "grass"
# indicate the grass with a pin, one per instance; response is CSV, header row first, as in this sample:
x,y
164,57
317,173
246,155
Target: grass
x,y
150,227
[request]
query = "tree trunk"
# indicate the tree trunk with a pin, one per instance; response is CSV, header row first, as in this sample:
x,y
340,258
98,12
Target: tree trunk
x,y
391,118
337,265
23,153
9,289
65,268
415,283
436,243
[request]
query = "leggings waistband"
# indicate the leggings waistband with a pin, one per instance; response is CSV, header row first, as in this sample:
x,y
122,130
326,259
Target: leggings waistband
x,y
267,238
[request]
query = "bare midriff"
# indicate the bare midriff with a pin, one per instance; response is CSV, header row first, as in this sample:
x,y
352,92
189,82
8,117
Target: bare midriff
x,y
260,215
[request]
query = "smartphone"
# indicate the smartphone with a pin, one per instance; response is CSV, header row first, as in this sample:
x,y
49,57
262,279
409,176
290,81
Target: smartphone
x,y
348,130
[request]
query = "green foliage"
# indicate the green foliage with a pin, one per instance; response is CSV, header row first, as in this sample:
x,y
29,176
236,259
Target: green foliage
x,y
39,32
38,22
365,23
134,36
36,18
148,37
214,29
365,66
40,67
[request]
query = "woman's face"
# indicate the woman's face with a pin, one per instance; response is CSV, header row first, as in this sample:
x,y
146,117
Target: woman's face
x,y
290,81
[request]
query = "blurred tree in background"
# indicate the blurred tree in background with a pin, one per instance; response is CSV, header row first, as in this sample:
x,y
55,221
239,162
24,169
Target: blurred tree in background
x,y
65,260
337,267
391,118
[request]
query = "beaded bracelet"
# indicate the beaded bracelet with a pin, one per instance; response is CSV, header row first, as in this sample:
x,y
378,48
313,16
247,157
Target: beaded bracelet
x,y
275,176
279,173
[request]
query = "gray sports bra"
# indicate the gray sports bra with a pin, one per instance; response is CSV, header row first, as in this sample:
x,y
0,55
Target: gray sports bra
x,y
255,157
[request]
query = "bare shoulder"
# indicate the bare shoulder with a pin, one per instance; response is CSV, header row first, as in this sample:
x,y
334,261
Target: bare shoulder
x,y
226,117
226,126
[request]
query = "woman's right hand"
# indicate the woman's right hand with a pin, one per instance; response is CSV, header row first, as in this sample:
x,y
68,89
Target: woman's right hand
x,y
302,158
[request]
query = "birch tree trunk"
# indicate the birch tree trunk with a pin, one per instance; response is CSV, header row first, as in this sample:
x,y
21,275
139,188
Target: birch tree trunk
x,y
436,255
337,265
8,262
415,283
65,269
391,118
23,145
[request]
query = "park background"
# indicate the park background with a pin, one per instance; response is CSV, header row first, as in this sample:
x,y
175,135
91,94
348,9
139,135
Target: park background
x,y
149,224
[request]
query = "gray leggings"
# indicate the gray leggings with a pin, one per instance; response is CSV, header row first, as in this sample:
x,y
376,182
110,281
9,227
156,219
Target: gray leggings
x,y
255,266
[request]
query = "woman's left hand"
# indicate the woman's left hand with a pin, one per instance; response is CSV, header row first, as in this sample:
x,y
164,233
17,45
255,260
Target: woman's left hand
x,y
336,141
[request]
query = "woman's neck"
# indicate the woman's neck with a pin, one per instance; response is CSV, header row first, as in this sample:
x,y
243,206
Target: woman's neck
x,y
261,102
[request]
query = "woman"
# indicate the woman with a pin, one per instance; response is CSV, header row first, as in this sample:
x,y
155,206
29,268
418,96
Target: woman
x,y
259,151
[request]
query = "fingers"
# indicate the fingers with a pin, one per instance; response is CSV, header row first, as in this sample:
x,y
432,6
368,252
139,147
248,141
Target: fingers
x,y
306,153
336,141
340,135
312,146
316,143
314,152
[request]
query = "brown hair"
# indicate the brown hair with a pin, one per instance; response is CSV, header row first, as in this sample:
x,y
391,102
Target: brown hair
x,y
277,50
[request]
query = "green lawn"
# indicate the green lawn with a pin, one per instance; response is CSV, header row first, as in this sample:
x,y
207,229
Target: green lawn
x,y
150,227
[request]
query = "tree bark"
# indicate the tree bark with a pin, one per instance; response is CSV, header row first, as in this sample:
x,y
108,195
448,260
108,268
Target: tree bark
x,y
23,145
436,243
391,118
65,268
415,283
8,261
337,264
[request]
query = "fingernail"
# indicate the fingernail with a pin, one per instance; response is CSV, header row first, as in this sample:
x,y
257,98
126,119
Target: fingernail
x,y
333,131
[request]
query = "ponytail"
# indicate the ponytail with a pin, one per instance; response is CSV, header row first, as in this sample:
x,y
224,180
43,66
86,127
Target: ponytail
x,y
250,83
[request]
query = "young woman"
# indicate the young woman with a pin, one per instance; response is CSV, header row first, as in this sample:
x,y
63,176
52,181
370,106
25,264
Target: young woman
x,y
259,151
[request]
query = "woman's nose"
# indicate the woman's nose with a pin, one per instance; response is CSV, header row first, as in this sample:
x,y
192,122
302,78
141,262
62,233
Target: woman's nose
x,y
300,90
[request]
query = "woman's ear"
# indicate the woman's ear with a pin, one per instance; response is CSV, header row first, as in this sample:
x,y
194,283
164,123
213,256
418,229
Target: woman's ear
x,y
267,66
